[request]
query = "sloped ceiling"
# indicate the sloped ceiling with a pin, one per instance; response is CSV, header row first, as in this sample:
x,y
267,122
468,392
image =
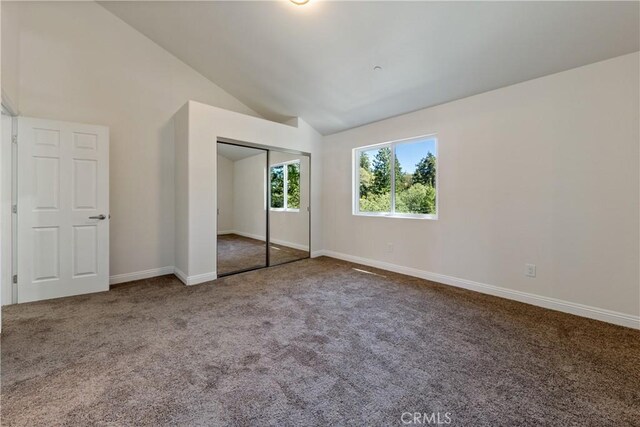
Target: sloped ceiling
x,y
317,61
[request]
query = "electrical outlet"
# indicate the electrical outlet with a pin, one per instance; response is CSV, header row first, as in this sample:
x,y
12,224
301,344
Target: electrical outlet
x,y
530,270
390,247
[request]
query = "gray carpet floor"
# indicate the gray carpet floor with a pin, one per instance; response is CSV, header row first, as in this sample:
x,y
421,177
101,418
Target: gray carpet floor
x,y
315,342
237,253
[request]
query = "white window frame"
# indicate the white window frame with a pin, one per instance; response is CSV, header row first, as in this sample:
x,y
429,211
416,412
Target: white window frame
x,y
285,193
355,164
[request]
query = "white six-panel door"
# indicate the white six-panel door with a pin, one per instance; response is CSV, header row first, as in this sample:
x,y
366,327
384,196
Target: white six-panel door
x,y
63,209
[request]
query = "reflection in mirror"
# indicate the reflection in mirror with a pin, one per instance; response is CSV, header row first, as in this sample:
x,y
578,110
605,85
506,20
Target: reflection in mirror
x,y
242,223
288,213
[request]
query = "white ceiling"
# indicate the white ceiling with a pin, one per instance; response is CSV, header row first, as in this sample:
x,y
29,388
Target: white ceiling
x,y
236,152
316,61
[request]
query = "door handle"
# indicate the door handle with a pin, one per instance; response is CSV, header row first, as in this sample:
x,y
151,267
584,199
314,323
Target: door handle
x,y
98,217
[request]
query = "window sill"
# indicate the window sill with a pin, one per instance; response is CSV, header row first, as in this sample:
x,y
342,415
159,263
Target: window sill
x,y
283,210
398,216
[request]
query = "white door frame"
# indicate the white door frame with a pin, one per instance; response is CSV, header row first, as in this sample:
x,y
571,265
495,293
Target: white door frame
x,y
8,294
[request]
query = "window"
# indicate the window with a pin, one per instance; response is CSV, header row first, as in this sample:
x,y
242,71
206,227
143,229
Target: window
x,y
285,186
408,189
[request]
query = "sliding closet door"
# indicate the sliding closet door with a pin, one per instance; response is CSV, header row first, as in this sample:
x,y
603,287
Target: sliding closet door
x,y
242,214
289,207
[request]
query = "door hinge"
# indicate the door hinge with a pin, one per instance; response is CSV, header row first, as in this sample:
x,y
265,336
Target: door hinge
x,y
14,209
14,139
15,278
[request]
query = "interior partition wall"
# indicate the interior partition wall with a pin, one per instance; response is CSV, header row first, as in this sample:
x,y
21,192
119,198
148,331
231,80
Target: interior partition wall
x,y
197,128
263,206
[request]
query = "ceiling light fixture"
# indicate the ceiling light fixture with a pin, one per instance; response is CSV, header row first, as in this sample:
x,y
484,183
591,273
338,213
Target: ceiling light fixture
x,y
299,2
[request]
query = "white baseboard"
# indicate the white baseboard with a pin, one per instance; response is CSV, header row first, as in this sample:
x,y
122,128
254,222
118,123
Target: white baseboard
x,y
180,275
596,313
225,232
276,241
201,278
155,272
196,279
249,235
290,245
139,275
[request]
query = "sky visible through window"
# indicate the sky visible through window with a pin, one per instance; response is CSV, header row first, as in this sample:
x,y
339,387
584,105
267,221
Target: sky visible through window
x,y
410,154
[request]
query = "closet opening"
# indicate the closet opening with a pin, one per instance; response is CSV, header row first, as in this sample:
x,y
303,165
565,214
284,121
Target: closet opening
x,y
263,212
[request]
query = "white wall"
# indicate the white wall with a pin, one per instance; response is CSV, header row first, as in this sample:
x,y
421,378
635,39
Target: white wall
x,y
225,194
543,172
198,145
10,58
78,62
3,256
250,218
181,208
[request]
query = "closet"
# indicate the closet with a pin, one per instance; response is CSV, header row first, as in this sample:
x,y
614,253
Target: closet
x,y
263,215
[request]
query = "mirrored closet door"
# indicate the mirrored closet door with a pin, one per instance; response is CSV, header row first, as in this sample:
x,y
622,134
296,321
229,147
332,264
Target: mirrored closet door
x,y
289,207
263,196
242,214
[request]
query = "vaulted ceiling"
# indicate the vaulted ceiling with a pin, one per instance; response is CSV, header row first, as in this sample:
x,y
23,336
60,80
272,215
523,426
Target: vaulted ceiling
x,y
317,61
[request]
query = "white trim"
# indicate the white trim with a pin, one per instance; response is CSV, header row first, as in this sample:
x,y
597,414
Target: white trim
x,y
8,104
194,280
355,178
284,210
285,186
288,162
276,241
180,275
201,278
139,275
14,216
290,245
249,235
590,312
225,232
397,215
7,220
162,271
408,139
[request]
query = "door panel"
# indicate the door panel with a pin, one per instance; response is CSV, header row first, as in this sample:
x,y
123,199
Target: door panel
x,y
63,181
242,214
85,184
46,253
85,250
289,219
47,183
